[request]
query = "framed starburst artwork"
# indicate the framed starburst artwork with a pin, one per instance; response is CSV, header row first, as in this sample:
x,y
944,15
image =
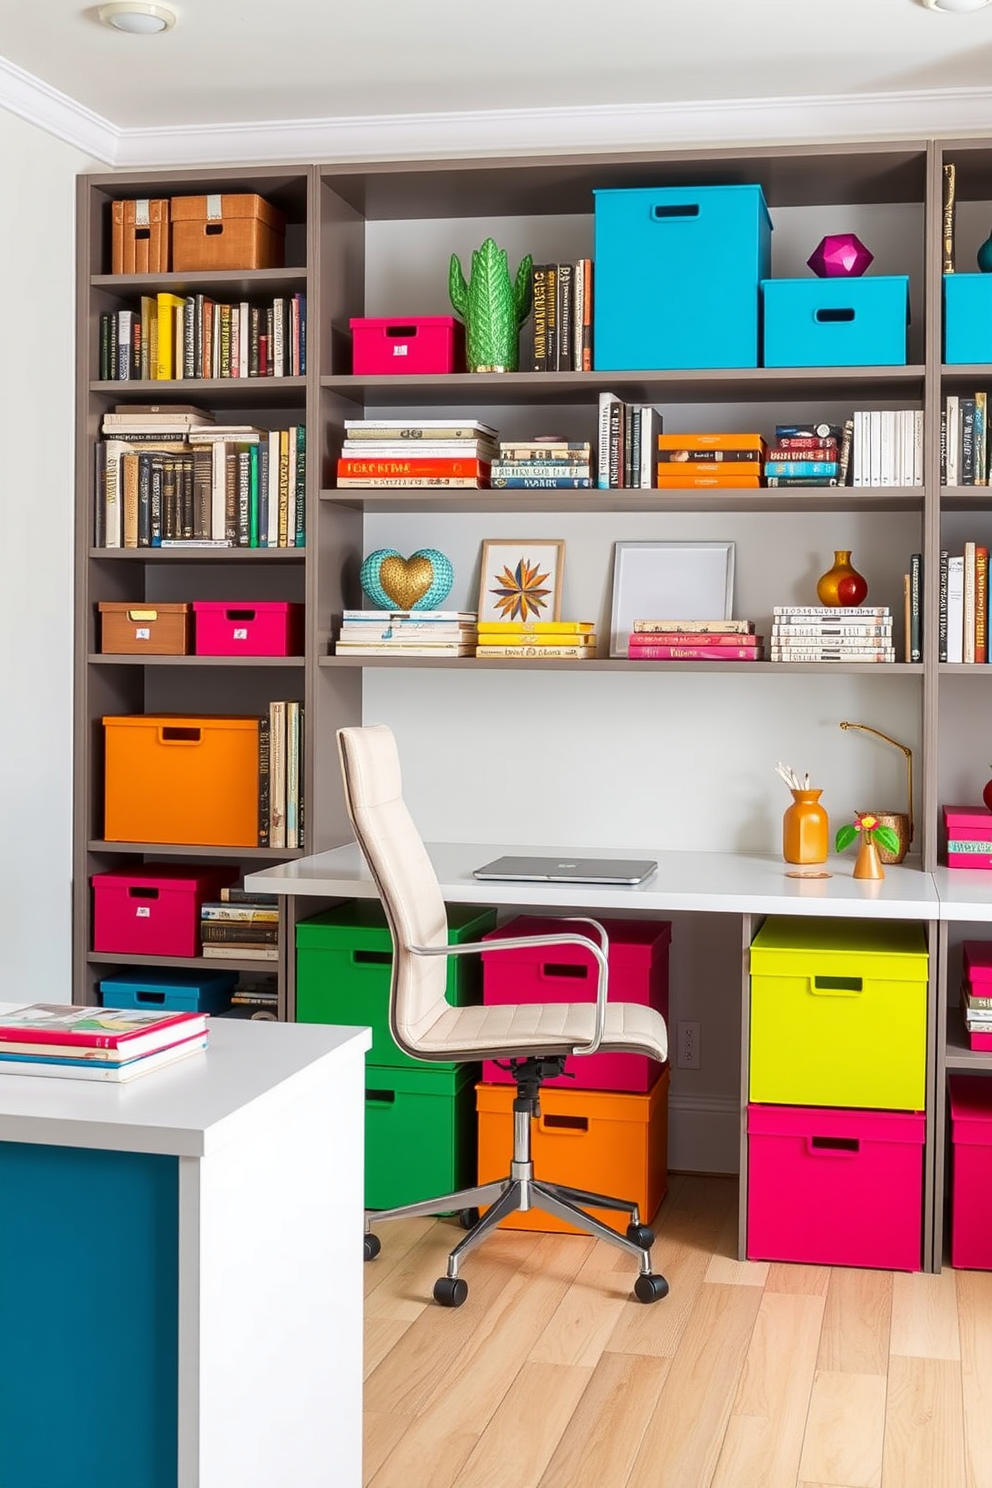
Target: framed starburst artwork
x,y
521,579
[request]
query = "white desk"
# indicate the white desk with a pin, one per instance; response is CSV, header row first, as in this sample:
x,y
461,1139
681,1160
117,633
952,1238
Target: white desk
x,y
206,1328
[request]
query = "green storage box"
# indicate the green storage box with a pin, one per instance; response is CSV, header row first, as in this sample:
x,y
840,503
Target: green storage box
x,y
420,1132
343,962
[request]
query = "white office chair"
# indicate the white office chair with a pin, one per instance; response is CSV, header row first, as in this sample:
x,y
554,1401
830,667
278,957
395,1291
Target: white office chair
x,y
537,1037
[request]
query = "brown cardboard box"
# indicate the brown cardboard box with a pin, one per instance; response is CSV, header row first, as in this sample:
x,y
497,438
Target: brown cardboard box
x,y
140,237
226,232
128,629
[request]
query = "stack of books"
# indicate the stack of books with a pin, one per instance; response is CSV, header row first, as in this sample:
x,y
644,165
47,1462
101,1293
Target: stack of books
x,y
85,1043
246,929
808,455
407,633
544,464
534,640
433,452
694,640
832,633
707,461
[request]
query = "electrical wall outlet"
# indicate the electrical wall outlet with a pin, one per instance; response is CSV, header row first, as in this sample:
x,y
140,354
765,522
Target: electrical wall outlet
x,y
687,1045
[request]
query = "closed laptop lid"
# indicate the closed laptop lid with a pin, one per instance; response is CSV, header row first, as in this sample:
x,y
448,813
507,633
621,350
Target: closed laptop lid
x,y
569,869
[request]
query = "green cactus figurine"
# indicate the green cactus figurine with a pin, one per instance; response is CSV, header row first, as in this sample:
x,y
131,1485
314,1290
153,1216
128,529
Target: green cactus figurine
x,y
492,308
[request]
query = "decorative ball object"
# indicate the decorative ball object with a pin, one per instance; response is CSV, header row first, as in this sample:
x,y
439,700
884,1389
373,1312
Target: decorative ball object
x,y
421,582
840,256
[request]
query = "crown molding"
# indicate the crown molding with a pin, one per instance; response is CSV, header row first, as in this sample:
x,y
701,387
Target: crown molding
x,y
952,112
29,98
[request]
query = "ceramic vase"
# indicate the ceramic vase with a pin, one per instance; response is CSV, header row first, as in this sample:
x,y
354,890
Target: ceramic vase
x,y
984,255
868,864
805,829
842,584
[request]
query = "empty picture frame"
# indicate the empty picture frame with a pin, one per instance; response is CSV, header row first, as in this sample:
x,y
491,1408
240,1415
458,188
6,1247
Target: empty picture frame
x,y
669,581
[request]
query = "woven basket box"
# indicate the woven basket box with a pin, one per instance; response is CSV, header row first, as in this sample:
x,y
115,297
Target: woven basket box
x,y
140,236
226,232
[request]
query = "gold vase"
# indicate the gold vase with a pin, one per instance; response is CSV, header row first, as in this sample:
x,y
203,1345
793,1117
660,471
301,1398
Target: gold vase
x,y
842,584
868,864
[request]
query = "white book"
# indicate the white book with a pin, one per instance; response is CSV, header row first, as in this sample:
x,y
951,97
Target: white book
x,y
968,605
955,607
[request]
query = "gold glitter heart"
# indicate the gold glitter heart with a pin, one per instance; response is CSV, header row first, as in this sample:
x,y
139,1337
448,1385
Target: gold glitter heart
x,y
405,580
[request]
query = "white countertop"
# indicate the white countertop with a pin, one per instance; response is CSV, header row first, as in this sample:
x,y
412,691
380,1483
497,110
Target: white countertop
x,y
731,883
187,1109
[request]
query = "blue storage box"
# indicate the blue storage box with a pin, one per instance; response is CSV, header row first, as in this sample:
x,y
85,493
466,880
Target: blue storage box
x,y
175,991
967,318
836,322
677,275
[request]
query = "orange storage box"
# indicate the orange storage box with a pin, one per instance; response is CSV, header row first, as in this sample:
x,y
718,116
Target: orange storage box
x,y
593,1139
240,231
172,778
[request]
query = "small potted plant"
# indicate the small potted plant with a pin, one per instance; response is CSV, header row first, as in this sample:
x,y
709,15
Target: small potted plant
x,y
873,835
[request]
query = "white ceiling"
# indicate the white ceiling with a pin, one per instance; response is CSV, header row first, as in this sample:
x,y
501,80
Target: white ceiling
x,y
238,62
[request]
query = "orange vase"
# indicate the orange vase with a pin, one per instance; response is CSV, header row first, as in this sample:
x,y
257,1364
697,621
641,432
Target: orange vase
x,y
805,829
842,584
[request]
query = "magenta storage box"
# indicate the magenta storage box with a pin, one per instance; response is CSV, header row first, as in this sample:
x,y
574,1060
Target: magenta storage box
x,y
835,1187
268,628
971,1171
154,909
432,343
969,836
638,961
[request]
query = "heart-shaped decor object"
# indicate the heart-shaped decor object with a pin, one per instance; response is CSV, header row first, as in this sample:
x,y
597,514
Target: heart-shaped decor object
x,y
421,582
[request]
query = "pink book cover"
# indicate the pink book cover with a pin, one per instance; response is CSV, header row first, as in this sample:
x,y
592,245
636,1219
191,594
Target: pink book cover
x,y
640,639
695,652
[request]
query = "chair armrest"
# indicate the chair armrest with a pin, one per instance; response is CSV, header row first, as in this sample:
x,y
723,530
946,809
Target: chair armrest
x,y
519,942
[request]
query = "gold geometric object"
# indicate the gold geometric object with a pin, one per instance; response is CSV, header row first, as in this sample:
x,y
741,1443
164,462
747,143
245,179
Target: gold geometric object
x,y
900,821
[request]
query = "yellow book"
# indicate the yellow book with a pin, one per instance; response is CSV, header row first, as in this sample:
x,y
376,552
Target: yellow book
x,y
535,627
165,360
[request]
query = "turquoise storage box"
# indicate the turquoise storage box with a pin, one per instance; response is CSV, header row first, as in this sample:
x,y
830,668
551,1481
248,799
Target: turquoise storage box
x,y
967,318
344,957
175,991
420,1132
836,322
677,277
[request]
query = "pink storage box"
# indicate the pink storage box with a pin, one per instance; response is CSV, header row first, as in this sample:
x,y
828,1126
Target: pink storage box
x,y
432,343
638,961
971,825
835,1188
971,1171
153,910
269,628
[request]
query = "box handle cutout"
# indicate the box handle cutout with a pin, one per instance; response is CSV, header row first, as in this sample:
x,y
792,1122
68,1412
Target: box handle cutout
x,y
825,317
239,614
372,958
401,330
662,214
156,997
565,1123
835,1144
850,985
562,969
136,892
173,735
385,1097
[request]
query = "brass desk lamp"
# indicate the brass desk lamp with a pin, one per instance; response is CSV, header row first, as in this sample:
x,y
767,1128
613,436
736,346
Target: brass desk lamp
x,y
901,822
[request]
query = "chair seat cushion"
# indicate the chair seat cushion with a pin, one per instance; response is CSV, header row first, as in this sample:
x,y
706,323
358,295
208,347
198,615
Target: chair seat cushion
x,y
541,1028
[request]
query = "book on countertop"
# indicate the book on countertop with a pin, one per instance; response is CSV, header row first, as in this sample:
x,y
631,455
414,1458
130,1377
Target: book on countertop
x,y
697,651
714,627
530,650
114,1074
241,952
65,1026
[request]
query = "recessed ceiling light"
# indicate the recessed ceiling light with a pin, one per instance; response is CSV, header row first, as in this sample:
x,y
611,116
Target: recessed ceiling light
x,y
144,20
956,6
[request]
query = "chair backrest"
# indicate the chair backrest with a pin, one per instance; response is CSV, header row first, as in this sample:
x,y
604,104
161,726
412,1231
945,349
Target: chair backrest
x,y
404,876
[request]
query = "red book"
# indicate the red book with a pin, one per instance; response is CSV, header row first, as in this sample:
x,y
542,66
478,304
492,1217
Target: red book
x,y
440,465
695,652
63,1027
640,639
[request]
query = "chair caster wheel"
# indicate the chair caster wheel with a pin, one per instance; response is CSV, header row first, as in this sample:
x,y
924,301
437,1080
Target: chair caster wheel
x,y
468,1218
648,1288
450,1291
640,1234
371,1246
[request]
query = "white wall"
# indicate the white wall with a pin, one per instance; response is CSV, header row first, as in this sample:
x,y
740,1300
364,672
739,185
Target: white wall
x,y
37,185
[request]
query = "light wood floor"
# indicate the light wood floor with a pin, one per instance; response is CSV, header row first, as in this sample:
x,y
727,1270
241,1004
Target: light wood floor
x,y
748,1375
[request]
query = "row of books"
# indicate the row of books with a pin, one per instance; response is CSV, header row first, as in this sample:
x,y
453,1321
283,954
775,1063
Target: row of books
x,y
814,633
694,640
247,931
963,605
173,337
562,323
965,451
431,452
281,801
114,1045
174,480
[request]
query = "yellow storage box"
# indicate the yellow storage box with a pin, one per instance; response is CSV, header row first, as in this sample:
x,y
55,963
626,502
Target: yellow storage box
x,y
839,1013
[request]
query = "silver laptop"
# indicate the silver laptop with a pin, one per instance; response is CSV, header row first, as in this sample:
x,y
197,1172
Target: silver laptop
x,y
569,870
